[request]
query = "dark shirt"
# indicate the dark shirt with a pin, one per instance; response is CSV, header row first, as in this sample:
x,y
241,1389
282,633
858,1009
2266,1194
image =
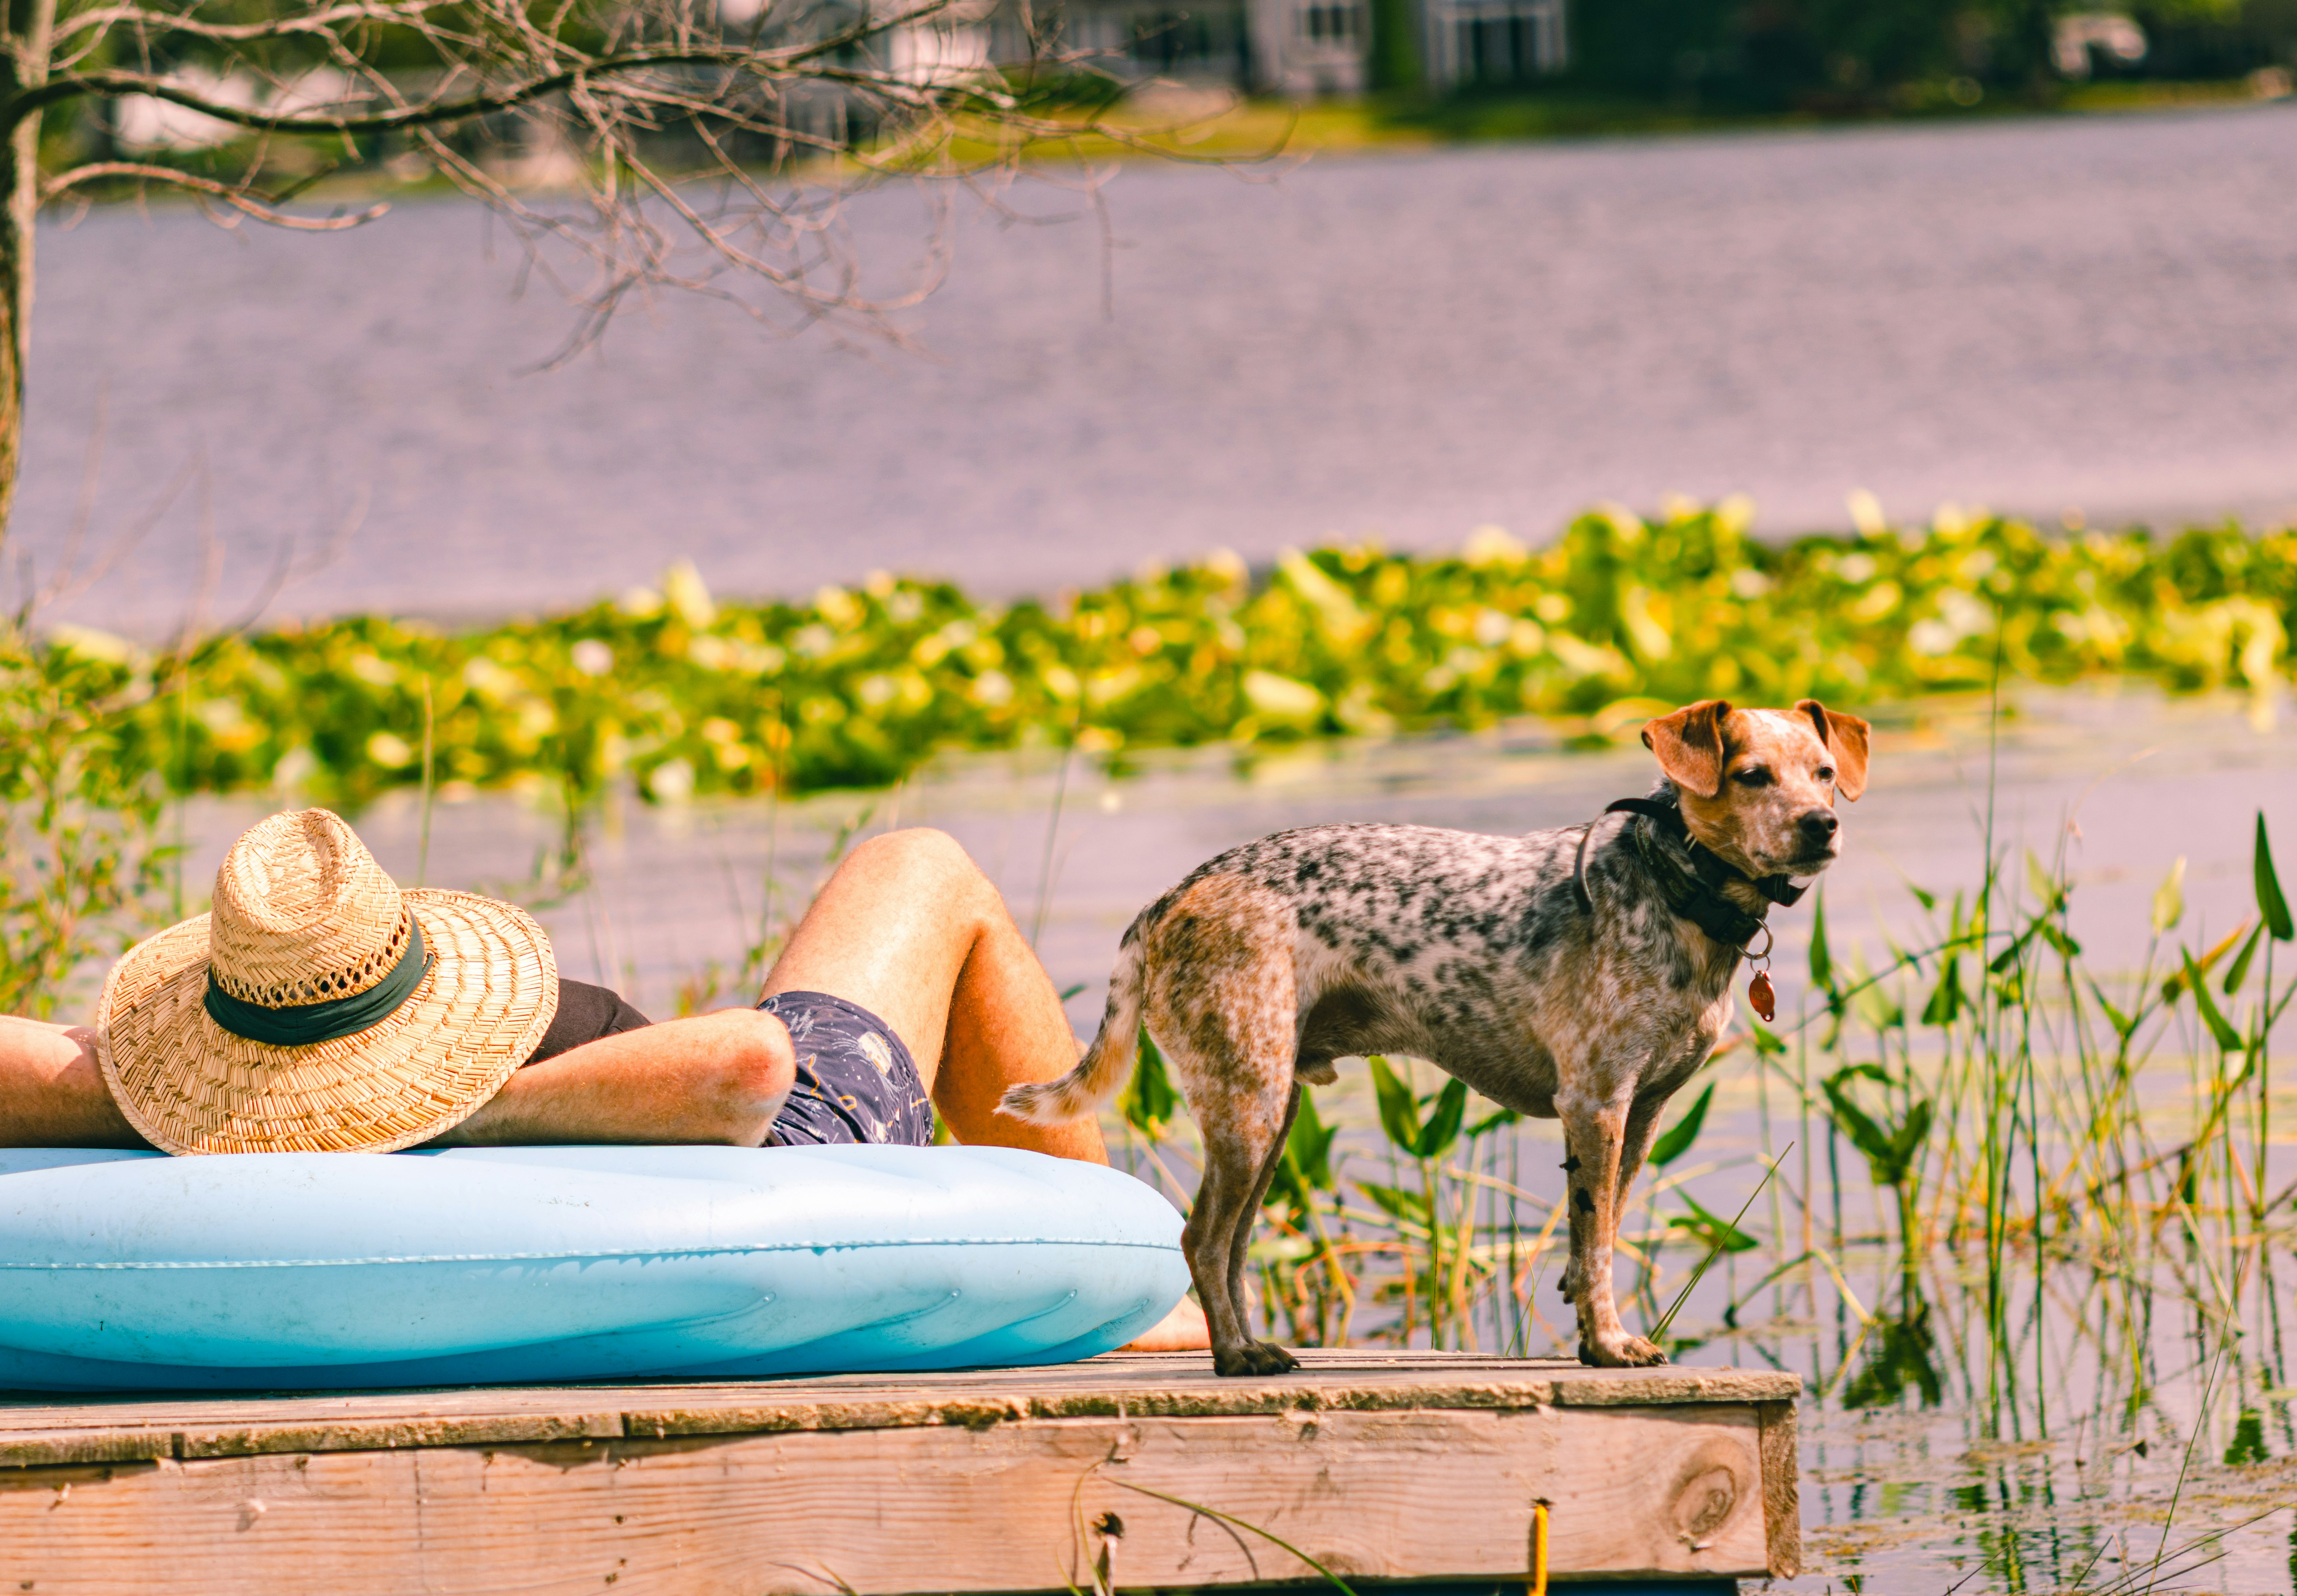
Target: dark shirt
x,y
585,1014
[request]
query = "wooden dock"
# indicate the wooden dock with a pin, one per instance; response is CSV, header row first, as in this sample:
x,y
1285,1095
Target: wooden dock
x,y
1122,1471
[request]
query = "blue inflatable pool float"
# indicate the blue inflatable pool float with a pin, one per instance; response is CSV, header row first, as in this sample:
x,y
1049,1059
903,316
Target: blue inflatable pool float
x,y
124,1272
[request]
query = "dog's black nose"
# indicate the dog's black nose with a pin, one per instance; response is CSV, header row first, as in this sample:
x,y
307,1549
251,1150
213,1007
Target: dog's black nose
x,y
1819,825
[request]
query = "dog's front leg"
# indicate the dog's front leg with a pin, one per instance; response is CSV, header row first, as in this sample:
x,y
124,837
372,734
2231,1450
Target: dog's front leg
x,y
1594,1140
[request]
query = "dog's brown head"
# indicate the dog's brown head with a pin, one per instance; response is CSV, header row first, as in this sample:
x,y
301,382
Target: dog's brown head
x,y
1759,786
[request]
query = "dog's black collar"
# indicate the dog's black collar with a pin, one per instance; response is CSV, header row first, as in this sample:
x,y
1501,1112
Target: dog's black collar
x,y
1696,893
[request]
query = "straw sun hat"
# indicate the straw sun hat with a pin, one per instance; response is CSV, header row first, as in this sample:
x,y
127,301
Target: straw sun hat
x,y
318,1008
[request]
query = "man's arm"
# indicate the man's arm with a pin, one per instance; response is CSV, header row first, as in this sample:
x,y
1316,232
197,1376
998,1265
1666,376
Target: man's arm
x,y
52,1090
717,1078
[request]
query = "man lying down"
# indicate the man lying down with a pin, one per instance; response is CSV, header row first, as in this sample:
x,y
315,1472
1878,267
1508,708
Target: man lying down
x,y
319,1008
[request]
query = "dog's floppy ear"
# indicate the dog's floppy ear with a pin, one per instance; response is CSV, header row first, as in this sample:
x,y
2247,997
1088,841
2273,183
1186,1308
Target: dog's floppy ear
x,y
1689,743
1844,736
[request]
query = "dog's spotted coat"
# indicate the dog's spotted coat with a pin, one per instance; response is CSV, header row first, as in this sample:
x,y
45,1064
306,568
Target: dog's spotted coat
x,y
1478,954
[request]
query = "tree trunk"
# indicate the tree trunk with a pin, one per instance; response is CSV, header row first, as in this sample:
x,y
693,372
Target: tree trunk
x,y
23,65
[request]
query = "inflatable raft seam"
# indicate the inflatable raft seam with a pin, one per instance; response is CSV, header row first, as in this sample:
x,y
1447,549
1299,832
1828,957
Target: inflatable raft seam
x,y
14,1265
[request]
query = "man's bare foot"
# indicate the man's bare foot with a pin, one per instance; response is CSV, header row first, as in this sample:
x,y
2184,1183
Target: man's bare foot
x,y
1182,1330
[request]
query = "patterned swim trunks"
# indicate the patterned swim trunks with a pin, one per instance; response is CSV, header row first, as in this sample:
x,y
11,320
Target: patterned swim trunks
x,y
856,1081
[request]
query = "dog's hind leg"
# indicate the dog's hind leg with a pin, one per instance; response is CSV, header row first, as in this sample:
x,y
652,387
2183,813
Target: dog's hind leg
x,y
1222,1003
1240,1248
1595,1135
1242,1142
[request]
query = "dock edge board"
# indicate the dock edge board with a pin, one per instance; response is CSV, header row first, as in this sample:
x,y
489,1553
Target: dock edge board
x,y
1131,1472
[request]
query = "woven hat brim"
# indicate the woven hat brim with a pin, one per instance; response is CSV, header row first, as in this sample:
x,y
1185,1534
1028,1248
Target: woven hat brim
x,y
190,1086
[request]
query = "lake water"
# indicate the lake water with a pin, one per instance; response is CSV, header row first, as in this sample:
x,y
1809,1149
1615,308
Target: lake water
x,y
2015,1477
2096,313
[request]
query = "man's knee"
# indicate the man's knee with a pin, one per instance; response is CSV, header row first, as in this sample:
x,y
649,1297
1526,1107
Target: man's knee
x,y
923,858
915,848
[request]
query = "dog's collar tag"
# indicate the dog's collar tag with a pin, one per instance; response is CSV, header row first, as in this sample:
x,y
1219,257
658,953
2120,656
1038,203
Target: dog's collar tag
x,y
1760,997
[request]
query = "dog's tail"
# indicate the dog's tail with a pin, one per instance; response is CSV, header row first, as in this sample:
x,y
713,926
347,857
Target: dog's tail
x,y
1106,1063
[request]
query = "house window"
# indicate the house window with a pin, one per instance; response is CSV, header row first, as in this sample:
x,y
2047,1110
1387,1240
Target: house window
x,y
1323,22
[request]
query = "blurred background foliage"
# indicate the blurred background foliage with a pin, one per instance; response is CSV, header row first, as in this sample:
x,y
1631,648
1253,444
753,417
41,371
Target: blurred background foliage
x,y
1849,56
1619,618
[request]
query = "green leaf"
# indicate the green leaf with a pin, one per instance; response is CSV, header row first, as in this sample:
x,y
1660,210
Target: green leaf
x,y
2270,903
2227,1038
1148,1100
1909,1141
2058,939
2169,898
1409,1206
1768,1044
1399,1110
1492,1122
2173,986
1718,1233
1309,1148
1928,901
1070,991
1890,1152
2046,889
1946,1002
1822,961
2240,971
1854,1122
1286,1187
1443,1126
1676,1140
2121,1023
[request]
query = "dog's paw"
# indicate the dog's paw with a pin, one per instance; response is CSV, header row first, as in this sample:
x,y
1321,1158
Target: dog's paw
x,y
1619,1351
1253,1357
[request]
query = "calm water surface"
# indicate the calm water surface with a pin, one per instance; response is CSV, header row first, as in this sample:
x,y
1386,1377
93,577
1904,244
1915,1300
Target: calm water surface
x,y
2098,313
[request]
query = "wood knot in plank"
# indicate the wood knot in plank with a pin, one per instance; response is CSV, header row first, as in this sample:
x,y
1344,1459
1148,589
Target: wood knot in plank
x,y
1709,1486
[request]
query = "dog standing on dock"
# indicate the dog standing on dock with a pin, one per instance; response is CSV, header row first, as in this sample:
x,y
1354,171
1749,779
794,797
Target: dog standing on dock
x,y
1581,973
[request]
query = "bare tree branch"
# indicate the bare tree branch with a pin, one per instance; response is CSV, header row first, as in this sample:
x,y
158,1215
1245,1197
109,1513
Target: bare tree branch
x,y
238,196
630,147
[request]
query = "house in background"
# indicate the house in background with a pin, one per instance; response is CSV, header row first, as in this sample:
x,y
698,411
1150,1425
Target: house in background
x,y
1300,49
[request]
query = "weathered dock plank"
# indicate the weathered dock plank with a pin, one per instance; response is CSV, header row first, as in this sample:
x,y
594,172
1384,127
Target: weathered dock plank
x,y
1378,1466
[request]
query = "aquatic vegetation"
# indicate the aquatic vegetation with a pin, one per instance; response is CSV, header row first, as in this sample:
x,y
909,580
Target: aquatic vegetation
x,y
2040,1197
686,694
81,858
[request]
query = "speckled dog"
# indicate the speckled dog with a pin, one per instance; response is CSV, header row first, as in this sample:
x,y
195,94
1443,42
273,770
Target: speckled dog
x,y
1581,973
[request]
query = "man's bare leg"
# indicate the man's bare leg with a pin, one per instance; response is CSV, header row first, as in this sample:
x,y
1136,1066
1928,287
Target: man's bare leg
x,y
909,928
52,1090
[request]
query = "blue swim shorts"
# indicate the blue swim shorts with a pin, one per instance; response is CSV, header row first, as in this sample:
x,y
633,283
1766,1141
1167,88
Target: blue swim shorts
x,y
856,1081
